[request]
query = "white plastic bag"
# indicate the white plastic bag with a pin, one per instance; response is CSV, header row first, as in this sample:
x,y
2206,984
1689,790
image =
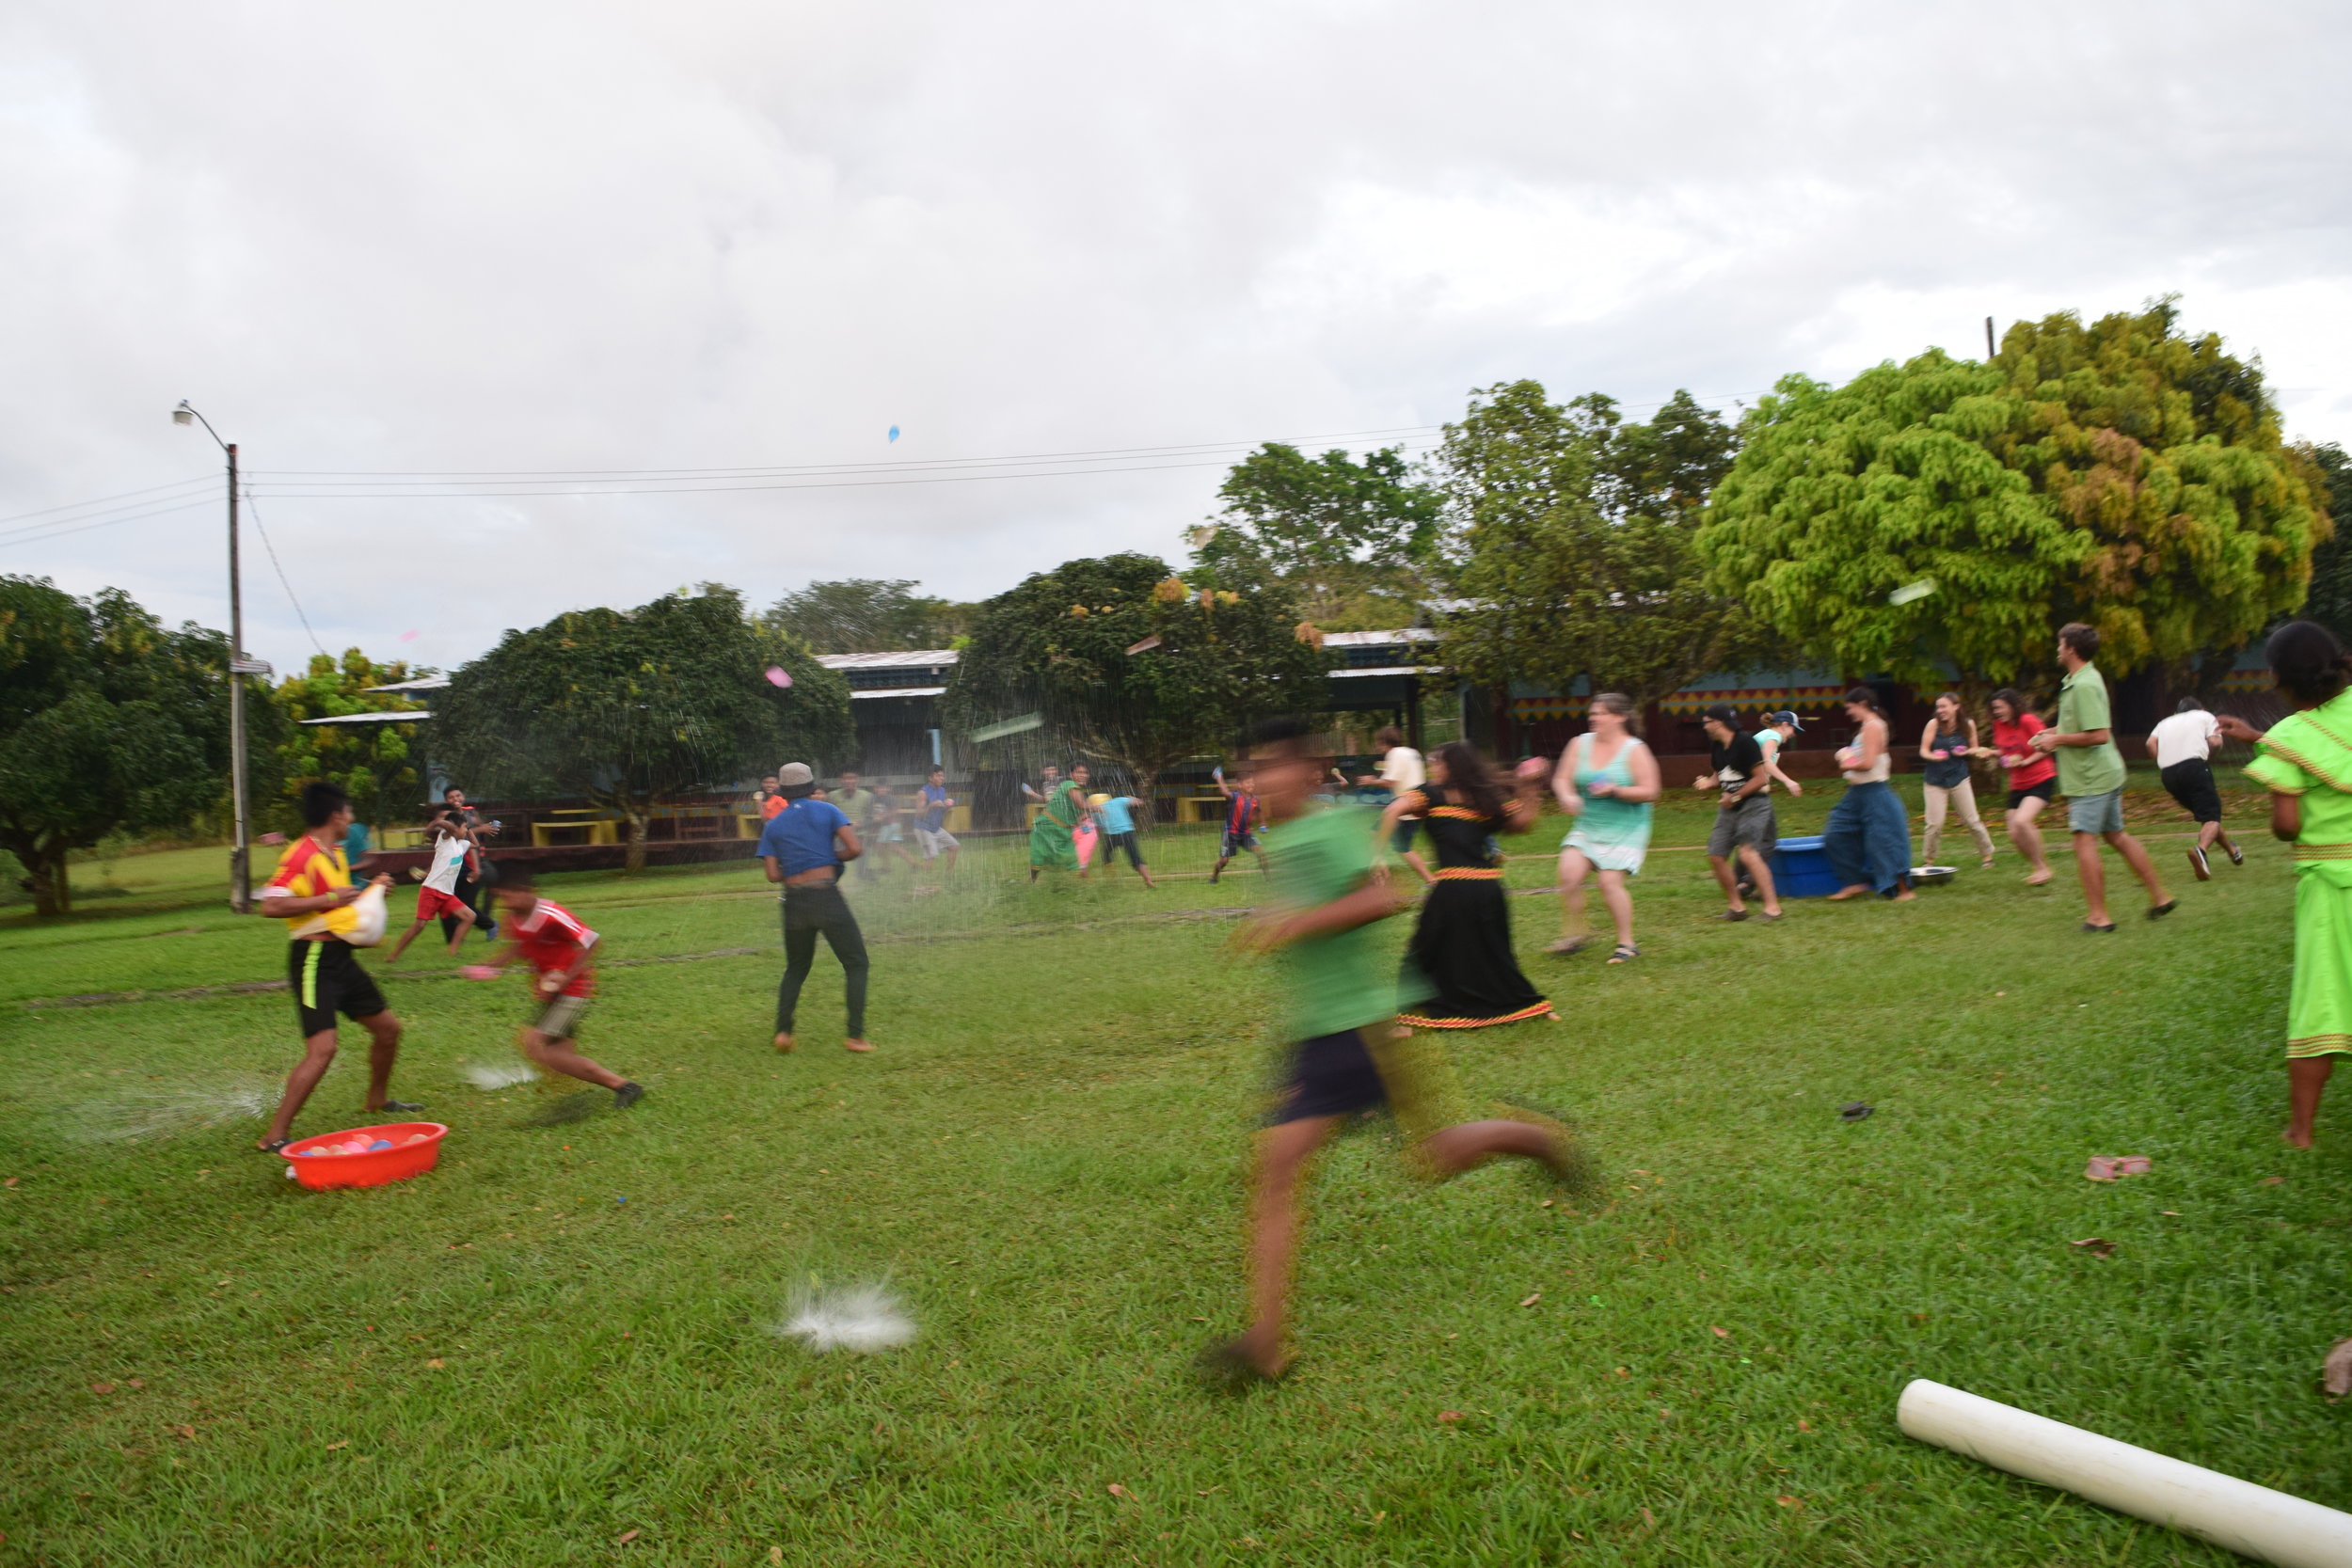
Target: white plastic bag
x,y
366,932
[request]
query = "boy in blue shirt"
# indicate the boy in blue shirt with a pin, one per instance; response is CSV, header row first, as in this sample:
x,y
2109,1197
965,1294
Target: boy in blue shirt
x,y
1116,814
930,828
805,846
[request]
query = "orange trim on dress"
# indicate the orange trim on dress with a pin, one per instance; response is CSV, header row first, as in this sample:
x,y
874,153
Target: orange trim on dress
x,y
1416,1021
1467,874
1462,812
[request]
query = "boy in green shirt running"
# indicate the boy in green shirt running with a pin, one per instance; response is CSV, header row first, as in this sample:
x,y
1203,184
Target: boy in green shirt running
x,y
1342,1003
2090,776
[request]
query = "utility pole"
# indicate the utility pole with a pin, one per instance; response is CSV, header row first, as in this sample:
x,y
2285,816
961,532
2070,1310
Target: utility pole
x,y
1989,352
240,666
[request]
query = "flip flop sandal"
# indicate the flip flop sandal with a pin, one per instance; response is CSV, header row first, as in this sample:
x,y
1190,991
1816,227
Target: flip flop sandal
x,y
2109,930
2158,911
1567,945
276,1145
1622,954
401,1107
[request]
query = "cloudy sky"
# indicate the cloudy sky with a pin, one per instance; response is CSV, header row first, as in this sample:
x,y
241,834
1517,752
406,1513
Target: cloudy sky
x,y
700,260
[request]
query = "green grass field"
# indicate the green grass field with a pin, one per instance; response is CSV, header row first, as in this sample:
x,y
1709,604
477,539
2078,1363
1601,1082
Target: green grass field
x,y
559,1347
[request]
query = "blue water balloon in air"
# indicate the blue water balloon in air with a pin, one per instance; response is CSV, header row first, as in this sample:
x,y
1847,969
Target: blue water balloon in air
x,y
893,432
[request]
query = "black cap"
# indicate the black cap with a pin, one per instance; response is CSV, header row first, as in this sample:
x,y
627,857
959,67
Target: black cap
x,y
1721,713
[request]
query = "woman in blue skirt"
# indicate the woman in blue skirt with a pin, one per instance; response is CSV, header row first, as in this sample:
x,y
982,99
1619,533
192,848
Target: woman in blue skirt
x,y
1867,837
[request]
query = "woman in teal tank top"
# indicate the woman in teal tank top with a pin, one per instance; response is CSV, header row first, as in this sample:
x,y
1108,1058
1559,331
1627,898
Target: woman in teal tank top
x,y
1607,779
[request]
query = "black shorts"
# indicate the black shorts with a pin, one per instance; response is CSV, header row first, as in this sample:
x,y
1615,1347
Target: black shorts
x,y
1330,1075
2191,783
1234,843
1402,840
1113,842
2044,792
326,979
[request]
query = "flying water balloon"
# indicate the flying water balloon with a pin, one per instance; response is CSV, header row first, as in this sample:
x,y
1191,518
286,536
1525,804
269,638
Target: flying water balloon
x,y
1910,591
778,675
893,432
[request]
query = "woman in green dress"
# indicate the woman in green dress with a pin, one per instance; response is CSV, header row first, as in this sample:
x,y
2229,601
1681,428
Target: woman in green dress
x,y
1051,847
2306,763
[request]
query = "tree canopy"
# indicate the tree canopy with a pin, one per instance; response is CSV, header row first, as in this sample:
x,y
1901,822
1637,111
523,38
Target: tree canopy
x,y
1572,550
2330,601
108,722
628,707
868,615
2121,473
1067,645
379,764
1346,534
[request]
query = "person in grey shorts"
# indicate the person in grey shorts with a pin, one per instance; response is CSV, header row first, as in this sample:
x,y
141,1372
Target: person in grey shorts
x,y
1745,825
2090,776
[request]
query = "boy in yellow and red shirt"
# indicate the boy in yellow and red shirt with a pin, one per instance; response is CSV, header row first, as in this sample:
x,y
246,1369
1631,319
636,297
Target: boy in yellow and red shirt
x,y
314,879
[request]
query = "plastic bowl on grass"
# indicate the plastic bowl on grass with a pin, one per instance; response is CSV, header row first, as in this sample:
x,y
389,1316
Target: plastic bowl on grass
x,y
1923,876
371,1169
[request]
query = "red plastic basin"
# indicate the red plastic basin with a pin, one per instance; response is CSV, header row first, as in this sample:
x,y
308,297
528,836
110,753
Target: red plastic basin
x,y
396,1164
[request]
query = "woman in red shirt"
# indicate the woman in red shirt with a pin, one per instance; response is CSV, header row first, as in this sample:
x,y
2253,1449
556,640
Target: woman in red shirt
x,y
2032,776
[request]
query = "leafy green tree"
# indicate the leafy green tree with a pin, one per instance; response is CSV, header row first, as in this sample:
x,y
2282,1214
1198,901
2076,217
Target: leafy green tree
x,y
2122,474
1069,645
628,707
379,765
868,615
1574,549
1348,535
2330,602
108,722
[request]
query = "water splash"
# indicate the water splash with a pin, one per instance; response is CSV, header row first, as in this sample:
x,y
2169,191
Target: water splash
x,y
865,1320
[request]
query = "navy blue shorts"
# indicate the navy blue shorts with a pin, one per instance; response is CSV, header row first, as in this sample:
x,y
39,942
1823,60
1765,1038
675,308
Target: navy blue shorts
x,y
1330,1075
1234,843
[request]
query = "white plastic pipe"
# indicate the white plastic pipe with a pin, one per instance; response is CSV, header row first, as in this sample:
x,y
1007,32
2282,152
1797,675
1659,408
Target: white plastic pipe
x,y
2270,1527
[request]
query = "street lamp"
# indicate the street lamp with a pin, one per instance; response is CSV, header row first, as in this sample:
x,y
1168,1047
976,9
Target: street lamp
x,y
240,666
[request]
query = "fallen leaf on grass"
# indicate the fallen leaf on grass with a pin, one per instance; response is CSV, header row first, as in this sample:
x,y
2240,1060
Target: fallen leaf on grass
x,y
625,1538
1118,1491
1721,1333
2271,1181
2336,1372
134,1383
2098,1246
9,1182
1803,1425
185,1433
1648,1519
344,1444
102,1387
775,1554
1532,1299
1787,1501
1448,1417
436,1363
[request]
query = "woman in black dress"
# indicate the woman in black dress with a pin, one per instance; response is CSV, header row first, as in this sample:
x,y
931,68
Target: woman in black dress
x,y
1460,956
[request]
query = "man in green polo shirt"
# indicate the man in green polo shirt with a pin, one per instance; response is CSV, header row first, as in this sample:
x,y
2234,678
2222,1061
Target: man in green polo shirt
x,y
2090,776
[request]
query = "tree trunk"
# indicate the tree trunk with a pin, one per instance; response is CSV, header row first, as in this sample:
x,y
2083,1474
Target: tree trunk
x,y
53,887
634,861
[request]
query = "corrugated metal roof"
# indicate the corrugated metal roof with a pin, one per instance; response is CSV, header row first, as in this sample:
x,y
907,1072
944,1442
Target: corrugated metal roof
x,y
917,659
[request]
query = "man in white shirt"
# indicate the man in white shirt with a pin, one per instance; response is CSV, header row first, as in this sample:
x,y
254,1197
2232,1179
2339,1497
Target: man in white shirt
x,y
1402,772
2183,746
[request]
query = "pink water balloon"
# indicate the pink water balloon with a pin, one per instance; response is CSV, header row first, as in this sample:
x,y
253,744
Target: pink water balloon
x,y
778,675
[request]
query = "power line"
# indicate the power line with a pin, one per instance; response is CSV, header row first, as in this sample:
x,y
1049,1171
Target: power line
x,y
31,536
127,494
280,570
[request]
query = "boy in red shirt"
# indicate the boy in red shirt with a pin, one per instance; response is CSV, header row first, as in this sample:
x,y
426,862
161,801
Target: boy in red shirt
x,y
562,951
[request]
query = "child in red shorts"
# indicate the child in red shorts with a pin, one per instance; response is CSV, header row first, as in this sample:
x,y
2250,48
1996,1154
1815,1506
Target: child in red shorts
x,y
451,840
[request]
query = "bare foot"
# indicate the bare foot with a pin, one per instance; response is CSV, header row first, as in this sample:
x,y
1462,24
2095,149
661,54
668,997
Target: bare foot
x,y
855,1045
2039,878
2289,1138
784,1041
1854,890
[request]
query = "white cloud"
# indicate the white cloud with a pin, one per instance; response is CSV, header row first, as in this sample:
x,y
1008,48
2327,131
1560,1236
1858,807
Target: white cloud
x,y
598,236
